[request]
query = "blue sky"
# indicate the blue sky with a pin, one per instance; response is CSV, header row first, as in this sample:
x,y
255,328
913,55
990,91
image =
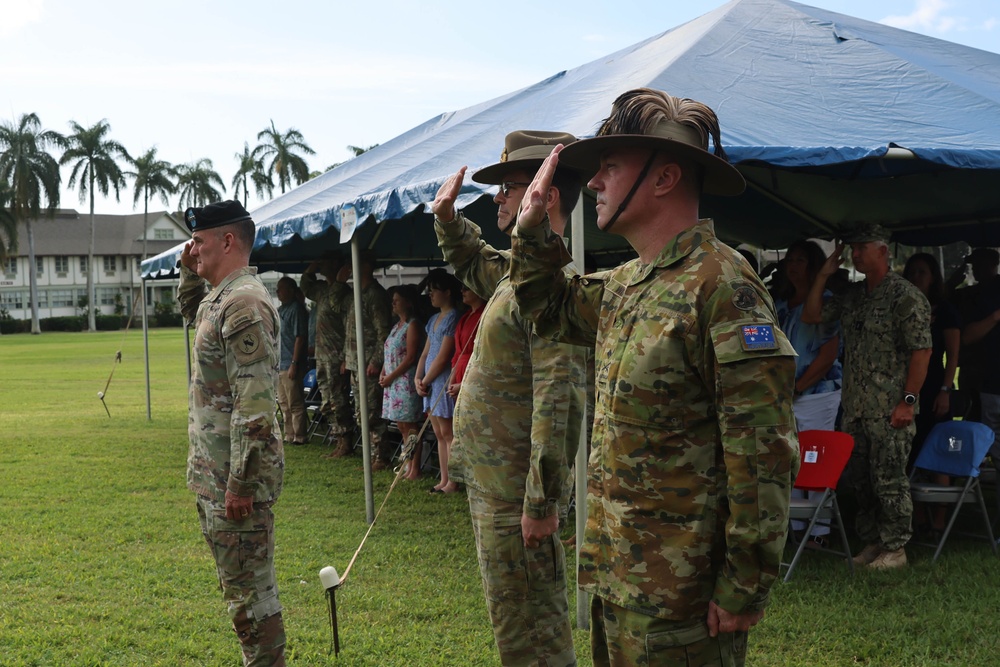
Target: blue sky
x,y
198,78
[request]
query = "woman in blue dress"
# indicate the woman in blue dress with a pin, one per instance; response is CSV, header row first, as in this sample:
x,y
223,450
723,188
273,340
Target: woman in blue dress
x,y
434,367
818,372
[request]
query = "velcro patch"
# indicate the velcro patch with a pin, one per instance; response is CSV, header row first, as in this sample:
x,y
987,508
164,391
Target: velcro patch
x,y
757,337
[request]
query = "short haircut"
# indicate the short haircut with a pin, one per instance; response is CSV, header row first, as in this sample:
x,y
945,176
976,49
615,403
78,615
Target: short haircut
x,y
243,231
567,182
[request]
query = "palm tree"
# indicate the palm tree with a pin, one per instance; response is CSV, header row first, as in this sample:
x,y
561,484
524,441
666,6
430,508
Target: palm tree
x,y
152,179
281,149
252,168
31,174
357,150
196,183
95,165
8,225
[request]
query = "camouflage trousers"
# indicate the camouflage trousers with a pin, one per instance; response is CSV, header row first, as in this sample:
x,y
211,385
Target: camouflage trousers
x,y
877,473
377,426
244,560
620,637
336,391
525,588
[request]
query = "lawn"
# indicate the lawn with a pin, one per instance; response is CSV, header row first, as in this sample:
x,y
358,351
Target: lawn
x,y
102,562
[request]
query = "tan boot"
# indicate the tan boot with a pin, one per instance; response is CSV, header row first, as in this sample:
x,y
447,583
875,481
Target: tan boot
x,y
889,560
378,465
868,554
343,449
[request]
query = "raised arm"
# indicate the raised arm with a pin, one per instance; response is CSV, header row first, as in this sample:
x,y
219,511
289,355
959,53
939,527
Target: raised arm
x,y
812,308
477,264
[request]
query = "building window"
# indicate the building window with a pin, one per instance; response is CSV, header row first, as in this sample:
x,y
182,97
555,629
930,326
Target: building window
x,y
39,267
83,264
12,300
163,234
106,296
61,298
110,263
10,266
62,264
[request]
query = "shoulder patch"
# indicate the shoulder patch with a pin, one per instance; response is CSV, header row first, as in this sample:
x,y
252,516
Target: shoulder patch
x,y
757,337
745,297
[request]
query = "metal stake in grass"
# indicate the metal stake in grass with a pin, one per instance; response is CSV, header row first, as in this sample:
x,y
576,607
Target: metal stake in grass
x,y
331,582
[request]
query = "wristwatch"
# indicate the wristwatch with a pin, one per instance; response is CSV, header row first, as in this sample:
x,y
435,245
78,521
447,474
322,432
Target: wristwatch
x,y
910,398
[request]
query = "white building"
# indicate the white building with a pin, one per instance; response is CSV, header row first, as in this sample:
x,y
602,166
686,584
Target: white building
x,y
61,245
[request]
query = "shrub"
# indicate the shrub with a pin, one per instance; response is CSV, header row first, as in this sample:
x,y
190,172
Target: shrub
x,y
67,323
109,322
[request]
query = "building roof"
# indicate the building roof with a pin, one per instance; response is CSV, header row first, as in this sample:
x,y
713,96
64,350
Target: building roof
x,y
68,233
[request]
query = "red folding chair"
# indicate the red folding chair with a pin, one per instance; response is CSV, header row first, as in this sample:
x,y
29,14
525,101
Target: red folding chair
x,y
823,456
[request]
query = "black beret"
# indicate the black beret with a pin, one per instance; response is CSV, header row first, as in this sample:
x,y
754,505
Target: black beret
x,y
215,215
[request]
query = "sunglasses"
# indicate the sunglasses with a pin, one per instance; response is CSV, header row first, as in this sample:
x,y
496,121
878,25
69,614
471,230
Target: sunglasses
x,y
506,187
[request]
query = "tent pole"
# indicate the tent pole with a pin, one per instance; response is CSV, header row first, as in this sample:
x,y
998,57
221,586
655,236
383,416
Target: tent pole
x,y
582,599
145,343
362,400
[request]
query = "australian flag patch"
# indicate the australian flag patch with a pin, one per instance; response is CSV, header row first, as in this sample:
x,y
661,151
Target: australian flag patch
x,y
758,337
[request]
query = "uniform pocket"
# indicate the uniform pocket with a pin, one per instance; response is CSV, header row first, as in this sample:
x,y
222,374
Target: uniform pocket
x,y
684,646
508,576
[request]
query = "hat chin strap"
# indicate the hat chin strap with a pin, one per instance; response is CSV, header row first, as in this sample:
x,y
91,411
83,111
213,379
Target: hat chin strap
x,y
638,181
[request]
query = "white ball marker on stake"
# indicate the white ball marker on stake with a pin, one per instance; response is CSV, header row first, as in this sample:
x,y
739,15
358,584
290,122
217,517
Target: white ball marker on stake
x,y
330,580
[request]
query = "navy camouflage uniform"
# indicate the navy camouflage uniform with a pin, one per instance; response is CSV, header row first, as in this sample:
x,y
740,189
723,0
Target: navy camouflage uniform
x,y
881,329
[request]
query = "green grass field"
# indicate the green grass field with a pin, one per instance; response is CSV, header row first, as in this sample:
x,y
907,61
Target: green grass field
x,y
102,562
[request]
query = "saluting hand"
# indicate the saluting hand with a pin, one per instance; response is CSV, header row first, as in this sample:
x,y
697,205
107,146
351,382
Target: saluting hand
x,y
187,259
443,206
533,206
832,262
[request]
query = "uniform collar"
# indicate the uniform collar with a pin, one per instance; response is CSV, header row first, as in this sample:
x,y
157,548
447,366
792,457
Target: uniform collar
x,y
676,250
228,280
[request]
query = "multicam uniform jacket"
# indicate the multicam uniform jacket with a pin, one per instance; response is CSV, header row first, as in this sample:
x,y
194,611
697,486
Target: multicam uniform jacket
x,y
694,446
234,434
518,417
332,301
881,329
376,316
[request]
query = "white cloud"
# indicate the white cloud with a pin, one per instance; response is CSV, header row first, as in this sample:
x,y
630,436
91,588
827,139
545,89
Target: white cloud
x,y
17,14
928,15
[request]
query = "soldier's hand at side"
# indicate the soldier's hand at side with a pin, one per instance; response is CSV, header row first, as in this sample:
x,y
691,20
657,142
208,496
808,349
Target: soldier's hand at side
x,y
443,206
534,204
187,259
343,367
238,508
533,531
372,371
902,415
720,620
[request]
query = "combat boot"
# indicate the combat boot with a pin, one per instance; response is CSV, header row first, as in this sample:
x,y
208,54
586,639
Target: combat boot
x,y
379,465
889,560
868,554
344,447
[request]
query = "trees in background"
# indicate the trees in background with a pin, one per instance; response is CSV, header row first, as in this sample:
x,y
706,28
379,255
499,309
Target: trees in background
x,y
95,158
32,174
196,184
283,152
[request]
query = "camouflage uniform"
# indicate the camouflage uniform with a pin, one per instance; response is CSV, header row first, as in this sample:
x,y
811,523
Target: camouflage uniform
x,y
332,301
236,446
376,315
694,444
881,329
517,428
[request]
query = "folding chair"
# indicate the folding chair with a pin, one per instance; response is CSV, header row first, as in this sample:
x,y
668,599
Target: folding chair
x,y
823,456
314,403
956,449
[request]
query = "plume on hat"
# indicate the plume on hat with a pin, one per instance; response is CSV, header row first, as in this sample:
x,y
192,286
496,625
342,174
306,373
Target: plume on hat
x,y
638,111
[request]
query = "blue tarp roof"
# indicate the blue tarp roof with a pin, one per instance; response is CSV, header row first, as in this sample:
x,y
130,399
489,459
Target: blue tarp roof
x,y
810,103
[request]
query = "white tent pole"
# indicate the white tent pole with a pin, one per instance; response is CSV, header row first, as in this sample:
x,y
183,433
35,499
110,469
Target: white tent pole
x,y
362,399
582,599
145,343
